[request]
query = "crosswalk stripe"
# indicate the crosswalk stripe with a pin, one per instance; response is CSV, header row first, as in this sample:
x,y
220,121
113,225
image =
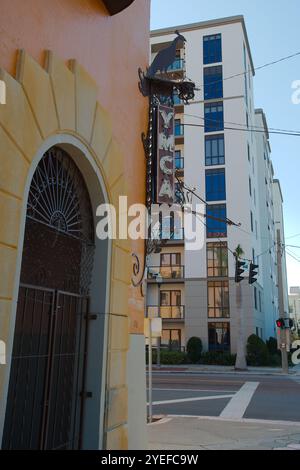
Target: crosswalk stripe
x,y
238,405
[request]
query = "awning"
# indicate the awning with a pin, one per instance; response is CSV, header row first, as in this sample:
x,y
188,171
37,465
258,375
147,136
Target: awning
x,y
115,6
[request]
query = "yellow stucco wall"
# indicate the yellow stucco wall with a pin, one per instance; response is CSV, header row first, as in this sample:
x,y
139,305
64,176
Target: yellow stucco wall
x,y
44,102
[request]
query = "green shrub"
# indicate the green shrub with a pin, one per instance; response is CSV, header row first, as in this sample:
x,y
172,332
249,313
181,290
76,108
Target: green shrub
x,y
275,360
194,350
257,352
218,359
272,346
169,358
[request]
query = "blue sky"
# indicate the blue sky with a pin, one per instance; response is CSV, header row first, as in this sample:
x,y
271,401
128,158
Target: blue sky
x,y
273,29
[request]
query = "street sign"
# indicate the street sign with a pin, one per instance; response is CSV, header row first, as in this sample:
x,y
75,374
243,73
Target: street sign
x,y
156,327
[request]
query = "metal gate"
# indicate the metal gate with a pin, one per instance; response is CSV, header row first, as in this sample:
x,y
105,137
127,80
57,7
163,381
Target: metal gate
x,y
46,389
47,383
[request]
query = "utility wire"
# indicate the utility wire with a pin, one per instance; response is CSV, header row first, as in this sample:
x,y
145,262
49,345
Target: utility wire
x,y
244,130
248,72
242,125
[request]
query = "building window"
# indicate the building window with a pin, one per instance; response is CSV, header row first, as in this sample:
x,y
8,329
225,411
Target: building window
x,y
216,221
179,162
170,298
214,150
255,298
219,337
249,158
179,128
214,117
217,260
171,340
213,82
251,220
218,299
178,193
170,259
259,301
212,49
250,186
215,185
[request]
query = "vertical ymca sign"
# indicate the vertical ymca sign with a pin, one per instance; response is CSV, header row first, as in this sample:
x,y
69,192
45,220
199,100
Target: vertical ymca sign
x,y
165,155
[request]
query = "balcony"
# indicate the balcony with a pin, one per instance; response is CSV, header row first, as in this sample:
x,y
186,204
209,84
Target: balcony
x,y
177,66
166,273
167,312
176,235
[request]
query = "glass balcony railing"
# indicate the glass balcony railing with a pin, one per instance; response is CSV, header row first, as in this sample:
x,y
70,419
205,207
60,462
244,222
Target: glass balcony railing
x,y
165,272
178,64
179,130
177,100
167,312
172,235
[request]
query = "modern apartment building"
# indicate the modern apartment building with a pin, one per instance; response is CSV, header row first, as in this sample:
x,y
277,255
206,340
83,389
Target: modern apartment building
x,y
220,153
294,307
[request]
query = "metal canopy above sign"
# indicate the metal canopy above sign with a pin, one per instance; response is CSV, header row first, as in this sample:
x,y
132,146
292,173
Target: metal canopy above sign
x,y
116,6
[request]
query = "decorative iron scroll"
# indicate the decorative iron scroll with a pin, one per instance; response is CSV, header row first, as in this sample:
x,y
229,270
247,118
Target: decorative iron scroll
x,y
58,196
160,86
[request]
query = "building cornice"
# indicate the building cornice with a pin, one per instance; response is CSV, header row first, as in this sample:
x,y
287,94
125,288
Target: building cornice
x,y
208,24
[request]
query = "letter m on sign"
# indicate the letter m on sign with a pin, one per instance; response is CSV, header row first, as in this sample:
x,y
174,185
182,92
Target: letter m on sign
x,y
165,155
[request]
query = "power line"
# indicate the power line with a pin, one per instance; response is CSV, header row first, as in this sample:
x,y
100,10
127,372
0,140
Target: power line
x,y
244,130
293,236
248,72
242,125
292,256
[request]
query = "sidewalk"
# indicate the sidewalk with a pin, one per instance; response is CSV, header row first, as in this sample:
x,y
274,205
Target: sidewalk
x,y
190,433
200,369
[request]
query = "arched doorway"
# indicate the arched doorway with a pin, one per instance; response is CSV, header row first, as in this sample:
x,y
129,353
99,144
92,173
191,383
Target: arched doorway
x,y
46,396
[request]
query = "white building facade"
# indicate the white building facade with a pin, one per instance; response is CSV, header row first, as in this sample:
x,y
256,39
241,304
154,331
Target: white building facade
x,y
219,153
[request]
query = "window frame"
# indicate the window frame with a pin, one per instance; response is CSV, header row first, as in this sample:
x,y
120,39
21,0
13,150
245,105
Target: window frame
x,y
212,49
217,311
225,328
217,264
215,184
215,121
213,142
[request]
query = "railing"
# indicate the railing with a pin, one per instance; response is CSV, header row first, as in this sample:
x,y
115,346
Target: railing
x,y
178,64
177,100
179,163
166,312
179,130
172,235
165,272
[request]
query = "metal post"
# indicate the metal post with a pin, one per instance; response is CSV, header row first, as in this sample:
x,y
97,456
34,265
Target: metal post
x,y
283,338
158,339
241,362
150,370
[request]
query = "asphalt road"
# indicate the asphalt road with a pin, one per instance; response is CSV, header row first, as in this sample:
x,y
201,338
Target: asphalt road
x,y
227,396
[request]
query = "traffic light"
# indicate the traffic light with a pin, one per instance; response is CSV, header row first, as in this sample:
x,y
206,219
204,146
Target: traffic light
x,y
280,323
253,273
239,270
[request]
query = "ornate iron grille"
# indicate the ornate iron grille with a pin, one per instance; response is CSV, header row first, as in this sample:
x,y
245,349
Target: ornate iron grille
x,y
59,198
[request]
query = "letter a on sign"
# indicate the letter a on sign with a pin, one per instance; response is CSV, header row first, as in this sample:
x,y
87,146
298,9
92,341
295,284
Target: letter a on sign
x,y
165,156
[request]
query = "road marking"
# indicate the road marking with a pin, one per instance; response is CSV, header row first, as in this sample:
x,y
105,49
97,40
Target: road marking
x,y
191,390
243,420
186,400
238,405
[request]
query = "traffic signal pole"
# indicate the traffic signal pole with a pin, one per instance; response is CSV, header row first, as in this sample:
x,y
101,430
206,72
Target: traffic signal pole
x,y
283,336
